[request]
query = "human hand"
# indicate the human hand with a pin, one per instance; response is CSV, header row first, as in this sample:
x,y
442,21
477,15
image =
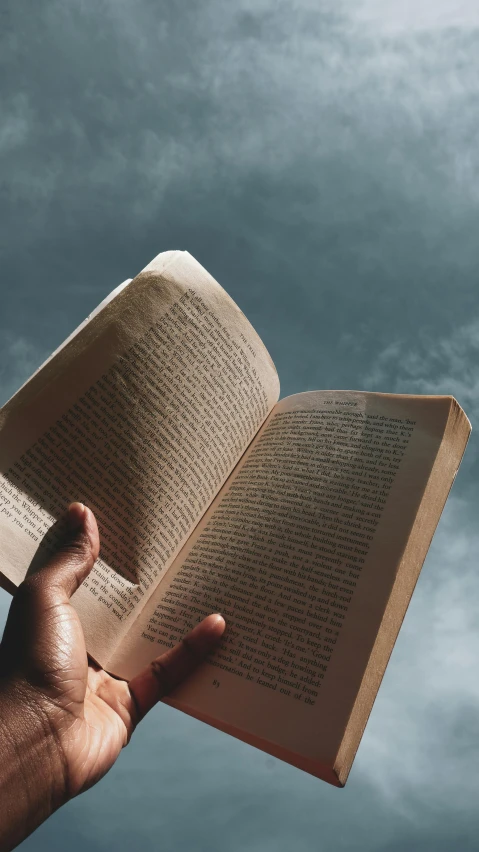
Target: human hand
x,y
63,720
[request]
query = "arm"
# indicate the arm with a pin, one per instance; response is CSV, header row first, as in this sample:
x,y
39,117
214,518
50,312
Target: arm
x,y
63,720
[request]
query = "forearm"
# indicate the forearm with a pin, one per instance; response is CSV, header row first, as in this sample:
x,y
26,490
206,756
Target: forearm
x,y
31,772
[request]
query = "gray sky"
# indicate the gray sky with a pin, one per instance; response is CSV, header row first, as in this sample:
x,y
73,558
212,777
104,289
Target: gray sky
x,y
321,160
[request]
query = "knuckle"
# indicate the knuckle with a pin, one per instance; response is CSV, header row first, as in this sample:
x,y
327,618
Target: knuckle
x,y
78,550
30,588
31,594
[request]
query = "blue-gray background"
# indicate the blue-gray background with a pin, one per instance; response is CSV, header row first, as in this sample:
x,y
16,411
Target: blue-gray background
x,y
321,159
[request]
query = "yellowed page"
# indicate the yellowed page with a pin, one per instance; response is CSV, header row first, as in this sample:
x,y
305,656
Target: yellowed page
x,y
142,416
300,552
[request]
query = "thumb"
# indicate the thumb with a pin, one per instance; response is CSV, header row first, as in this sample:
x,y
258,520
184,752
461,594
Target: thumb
x,y
62,562
68,554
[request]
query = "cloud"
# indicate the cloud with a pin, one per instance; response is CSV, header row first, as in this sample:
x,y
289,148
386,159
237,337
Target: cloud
x,y
425,724
237,89
19,361
299,150
435,365
16,123
429,16
321,160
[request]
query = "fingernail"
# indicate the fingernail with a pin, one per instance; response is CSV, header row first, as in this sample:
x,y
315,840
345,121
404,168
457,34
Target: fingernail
x,y
74,516
219,620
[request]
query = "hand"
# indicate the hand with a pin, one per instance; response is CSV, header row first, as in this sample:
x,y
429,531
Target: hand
x,y
63,720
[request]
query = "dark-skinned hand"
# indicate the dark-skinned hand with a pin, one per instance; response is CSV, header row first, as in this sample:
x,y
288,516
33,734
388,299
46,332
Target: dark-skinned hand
x,y
63,719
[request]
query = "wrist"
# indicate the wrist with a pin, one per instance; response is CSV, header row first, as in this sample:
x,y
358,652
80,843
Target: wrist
x,y
32,771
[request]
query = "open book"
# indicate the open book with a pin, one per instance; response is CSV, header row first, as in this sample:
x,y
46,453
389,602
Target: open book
x,y
304,522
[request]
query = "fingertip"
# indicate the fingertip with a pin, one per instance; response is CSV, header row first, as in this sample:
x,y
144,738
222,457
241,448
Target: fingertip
x,y
91,529
81,519
217,623
168,671
75,516
213,627
206,634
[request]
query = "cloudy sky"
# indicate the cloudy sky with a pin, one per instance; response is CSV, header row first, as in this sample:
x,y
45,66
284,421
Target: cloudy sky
x,y
320,158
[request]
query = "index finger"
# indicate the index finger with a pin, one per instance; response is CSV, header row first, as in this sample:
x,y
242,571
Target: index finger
x,y
168,671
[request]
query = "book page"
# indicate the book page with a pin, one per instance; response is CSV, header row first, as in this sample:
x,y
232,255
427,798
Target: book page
x,y
300,553
142,416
